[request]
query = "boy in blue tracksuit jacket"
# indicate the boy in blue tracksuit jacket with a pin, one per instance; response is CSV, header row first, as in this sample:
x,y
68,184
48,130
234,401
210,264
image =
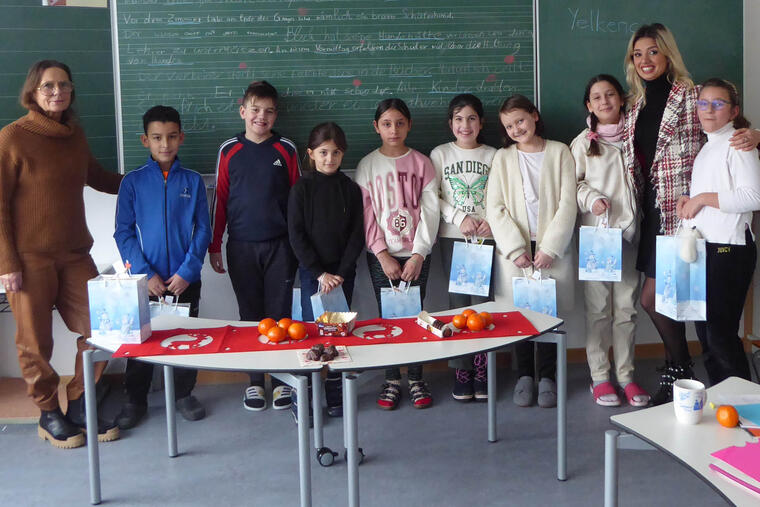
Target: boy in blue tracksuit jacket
x,y
163,231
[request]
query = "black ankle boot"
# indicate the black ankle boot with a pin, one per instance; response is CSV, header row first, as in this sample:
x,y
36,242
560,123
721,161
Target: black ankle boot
x,y
55,428
107,430
664,392
669,374
334,396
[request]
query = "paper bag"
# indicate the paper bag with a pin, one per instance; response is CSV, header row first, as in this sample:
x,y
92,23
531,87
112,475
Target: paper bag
x,y
119,307
471,264
680,287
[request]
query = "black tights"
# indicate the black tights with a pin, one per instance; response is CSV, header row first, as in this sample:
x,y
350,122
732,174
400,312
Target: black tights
x,y
672,332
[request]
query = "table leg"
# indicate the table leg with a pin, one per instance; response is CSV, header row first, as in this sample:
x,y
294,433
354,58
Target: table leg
x,y
610,468
561,405
316,403
492,396
171,410
304,466
91,411
352,438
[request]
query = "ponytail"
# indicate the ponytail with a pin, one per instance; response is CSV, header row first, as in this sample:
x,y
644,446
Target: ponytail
x,y
593,145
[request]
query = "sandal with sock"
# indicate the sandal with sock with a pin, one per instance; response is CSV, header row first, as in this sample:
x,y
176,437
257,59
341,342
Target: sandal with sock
x,y
420,394
605,394
390,393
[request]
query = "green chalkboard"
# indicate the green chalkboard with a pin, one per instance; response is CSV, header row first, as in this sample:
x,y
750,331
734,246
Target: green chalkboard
x,y
330,60
581,38
77,36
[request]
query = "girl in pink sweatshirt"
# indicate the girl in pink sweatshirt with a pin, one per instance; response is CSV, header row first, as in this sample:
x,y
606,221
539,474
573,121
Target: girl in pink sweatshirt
x,y
401,214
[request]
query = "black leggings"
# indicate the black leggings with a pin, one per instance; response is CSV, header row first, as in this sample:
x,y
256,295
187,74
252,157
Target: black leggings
x,y
379,280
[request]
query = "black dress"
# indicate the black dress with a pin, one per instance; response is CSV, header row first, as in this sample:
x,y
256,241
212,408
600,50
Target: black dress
x,y
644,145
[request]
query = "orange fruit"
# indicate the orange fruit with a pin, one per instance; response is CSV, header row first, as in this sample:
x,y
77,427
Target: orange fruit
x,y
297,331
284,323
487,318
459,321
265,325
276,334
475,322
468,312
727,416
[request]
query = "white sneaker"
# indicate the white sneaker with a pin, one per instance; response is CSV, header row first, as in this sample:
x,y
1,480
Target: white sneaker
x,y
282,397
254,399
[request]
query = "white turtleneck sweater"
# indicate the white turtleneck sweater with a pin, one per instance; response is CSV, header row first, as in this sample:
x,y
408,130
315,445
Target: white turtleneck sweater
x,y
735,176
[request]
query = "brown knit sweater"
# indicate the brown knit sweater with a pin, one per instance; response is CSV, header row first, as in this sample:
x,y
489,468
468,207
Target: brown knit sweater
x,y
44,166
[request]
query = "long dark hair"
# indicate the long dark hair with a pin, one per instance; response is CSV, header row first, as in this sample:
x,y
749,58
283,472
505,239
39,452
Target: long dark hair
x,y
740,122
593,147
463,100
328,131
518,101
33,78
393,103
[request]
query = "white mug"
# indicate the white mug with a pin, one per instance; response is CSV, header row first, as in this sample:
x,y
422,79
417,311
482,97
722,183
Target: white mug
x,y
689,398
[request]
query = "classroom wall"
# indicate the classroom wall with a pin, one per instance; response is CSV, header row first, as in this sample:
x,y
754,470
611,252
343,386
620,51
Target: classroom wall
x,y
218,299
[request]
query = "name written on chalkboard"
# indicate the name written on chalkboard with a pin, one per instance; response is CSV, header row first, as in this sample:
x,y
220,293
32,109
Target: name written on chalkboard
x,y
592,20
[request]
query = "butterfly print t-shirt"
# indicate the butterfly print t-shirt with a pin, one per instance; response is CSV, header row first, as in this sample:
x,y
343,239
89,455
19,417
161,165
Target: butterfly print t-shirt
x,y
463,175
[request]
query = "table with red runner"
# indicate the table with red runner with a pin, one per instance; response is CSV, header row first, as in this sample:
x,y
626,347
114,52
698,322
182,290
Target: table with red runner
x,y
367,332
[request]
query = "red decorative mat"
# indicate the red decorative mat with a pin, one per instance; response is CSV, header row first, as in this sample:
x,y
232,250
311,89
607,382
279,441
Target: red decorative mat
x,y
367,332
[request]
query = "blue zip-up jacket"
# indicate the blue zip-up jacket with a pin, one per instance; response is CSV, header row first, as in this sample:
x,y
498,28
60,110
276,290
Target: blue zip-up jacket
x,y
163,226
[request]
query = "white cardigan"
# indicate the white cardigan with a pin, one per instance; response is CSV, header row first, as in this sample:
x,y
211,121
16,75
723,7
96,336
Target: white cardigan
x,y
508,216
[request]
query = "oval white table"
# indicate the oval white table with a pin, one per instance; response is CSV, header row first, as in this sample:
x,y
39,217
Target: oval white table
x,y
284,365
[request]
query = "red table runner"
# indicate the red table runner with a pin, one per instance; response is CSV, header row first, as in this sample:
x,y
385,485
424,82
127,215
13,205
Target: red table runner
x,y
367,332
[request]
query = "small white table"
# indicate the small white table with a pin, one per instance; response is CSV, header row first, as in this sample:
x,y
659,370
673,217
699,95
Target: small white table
x,y
369,357
690,445
282,364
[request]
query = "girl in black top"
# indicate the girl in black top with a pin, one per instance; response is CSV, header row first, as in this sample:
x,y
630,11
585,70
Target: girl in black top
x,y
326,228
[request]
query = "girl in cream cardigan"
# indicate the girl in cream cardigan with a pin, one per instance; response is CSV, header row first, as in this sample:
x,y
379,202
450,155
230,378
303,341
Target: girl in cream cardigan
x,y
531,207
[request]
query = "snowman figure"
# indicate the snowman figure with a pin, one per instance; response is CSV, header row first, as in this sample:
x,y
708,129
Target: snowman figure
x,y
461,275
591,261
668,291
610,265
480,279
105,322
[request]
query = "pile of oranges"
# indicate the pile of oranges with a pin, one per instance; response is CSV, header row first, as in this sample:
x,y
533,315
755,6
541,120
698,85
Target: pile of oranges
x,y
277,331
472,320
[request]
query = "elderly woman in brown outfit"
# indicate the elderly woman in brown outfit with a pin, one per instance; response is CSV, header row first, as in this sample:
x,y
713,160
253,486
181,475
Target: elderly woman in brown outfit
x,y
45,163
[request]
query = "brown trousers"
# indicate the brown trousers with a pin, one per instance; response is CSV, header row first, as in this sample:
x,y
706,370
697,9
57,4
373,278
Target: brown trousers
x,y
47,280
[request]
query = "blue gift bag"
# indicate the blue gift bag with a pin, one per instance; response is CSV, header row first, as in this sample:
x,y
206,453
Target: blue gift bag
x,y
119,307
471,265
600,254
333,301
680,287
403,302
296,312
539,295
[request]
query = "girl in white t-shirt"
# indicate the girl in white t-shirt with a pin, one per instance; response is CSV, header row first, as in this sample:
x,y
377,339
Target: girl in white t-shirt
x,y
725,190
605,188
400,195
531,208
462,167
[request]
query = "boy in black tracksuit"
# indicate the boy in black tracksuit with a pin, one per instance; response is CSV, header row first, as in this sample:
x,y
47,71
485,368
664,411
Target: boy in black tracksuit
x,y
254,173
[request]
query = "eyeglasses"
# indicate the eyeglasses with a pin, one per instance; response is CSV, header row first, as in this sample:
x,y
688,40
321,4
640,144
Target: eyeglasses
x,y
49,87
717,104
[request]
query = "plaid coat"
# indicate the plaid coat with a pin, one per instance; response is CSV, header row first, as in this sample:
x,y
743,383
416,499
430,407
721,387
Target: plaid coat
x,y
680,139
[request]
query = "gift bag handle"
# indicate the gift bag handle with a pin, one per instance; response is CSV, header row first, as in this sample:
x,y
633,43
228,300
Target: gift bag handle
x,y
603,221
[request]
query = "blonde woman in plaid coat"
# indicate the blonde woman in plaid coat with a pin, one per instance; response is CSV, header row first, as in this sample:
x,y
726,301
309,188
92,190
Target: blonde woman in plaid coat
x,y
662,137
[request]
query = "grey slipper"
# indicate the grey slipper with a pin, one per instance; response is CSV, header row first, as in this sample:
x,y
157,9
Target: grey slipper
x,y
547,393
523,395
